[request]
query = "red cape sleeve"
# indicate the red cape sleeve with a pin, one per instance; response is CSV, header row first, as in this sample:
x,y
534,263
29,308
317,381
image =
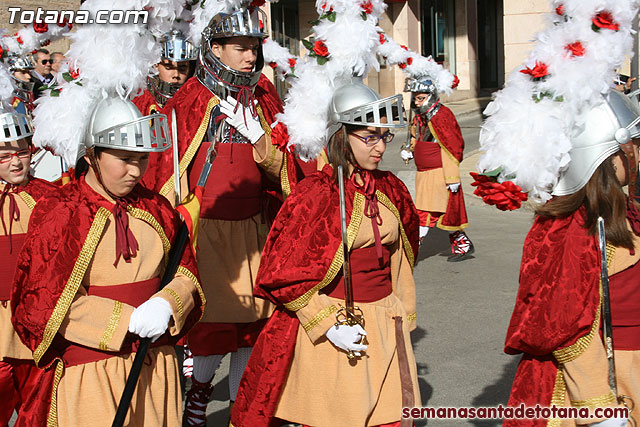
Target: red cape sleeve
x,y
448,132
559,287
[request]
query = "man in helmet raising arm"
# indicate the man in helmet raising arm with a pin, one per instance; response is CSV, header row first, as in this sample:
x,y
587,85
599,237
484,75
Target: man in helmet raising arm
x,y
229,102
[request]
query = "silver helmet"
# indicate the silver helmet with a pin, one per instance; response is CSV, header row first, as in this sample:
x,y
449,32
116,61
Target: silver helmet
x,y
117,123
160,90
176,47
427,86
357,104
15,126
221,79
16,62
23,89
607,128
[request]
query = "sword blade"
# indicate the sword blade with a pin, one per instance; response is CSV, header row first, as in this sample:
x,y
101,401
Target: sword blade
x,y
607,328
176,160
346,265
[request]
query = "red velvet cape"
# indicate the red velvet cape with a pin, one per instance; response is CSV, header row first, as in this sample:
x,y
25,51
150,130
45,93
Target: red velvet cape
x,y
190,103
58,229
556,304
300,247
37,188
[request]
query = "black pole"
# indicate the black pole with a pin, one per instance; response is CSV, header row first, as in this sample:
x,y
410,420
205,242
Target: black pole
x,y
172,266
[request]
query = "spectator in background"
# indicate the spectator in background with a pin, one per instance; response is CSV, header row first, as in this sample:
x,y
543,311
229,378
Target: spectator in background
x,y
623,83
57,58
42,73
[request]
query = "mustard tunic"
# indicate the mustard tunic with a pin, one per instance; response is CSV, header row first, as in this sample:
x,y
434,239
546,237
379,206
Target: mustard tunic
x,y
88,394
370,389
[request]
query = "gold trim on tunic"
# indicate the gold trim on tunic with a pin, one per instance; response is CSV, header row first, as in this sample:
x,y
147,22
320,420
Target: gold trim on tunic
x,y
596,402
435,137
557,398
412,317
382,198
322,314
28,199
177,300
185,271
111,326
52,417
149,219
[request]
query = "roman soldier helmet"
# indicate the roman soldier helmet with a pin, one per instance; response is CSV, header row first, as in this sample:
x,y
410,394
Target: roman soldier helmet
x,y
242,21
23,89
174,47
427,86
15,126
357,104
117,123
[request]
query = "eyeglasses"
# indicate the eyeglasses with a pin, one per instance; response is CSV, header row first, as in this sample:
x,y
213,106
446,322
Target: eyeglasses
x,y
22,154
47,61
372,140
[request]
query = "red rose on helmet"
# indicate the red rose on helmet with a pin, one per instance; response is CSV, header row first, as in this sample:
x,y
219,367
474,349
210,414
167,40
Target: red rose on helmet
x,y
292,62
18,38
74,73
367,7
402,65
383,39
320,49
604,20
404,47
456,82
273,65
409,60
576,49
560,10
539,71
505,196
40,27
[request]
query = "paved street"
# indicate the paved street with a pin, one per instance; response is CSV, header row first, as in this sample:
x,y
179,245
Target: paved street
x,y
463,308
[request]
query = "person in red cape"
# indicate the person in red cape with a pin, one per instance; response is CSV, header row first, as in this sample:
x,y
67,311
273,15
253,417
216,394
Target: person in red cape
x,y
437,148
300,359
229,101
19,193
87,284
557,318
177,65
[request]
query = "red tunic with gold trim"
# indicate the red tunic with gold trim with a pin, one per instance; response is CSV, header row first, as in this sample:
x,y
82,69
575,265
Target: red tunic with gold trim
x,y
556,319
303,255
65,230
438,150
18,373
241,197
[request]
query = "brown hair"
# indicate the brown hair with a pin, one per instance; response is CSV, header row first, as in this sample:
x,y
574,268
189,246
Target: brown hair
x,y
339,150
601,196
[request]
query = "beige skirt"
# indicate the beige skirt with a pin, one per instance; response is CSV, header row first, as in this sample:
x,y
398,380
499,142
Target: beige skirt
x,y
432,194
325,389
88,394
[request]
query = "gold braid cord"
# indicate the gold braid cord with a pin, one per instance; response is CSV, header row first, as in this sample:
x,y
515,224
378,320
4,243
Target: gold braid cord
x,y
26,197
382,198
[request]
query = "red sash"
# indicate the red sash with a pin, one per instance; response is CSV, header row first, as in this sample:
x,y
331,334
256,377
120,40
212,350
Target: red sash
x,y
370,281
234,189
625,308
9,262
130,293
427,155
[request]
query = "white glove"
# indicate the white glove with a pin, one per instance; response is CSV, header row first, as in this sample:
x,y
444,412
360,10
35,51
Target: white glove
x,y
406,155
151,318
251,128
611,422
454,187
345,337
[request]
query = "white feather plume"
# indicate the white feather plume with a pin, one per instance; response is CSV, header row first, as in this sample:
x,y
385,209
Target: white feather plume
x,y
107,59
6,85
530,123
203,14
26,39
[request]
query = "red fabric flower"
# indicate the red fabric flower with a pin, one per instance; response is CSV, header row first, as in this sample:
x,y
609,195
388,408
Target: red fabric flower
x,y
538,71
456,82
576,49
40,27
505,196
383,39
280,136
402,65
560,10
256,3
1,52
46,43
409,60
74,73
324,8
70,26
367,7
404,47
292,62
261,25
18,38
320,49
605,20
273,65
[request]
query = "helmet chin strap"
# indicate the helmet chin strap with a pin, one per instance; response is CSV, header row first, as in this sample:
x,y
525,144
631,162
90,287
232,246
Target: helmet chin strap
x,y
96,169
632,166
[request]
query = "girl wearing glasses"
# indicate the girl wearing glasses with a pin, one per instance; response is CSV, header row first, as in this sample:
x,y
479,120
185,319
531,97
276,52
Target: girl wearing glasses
x,y
18,195
299,370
